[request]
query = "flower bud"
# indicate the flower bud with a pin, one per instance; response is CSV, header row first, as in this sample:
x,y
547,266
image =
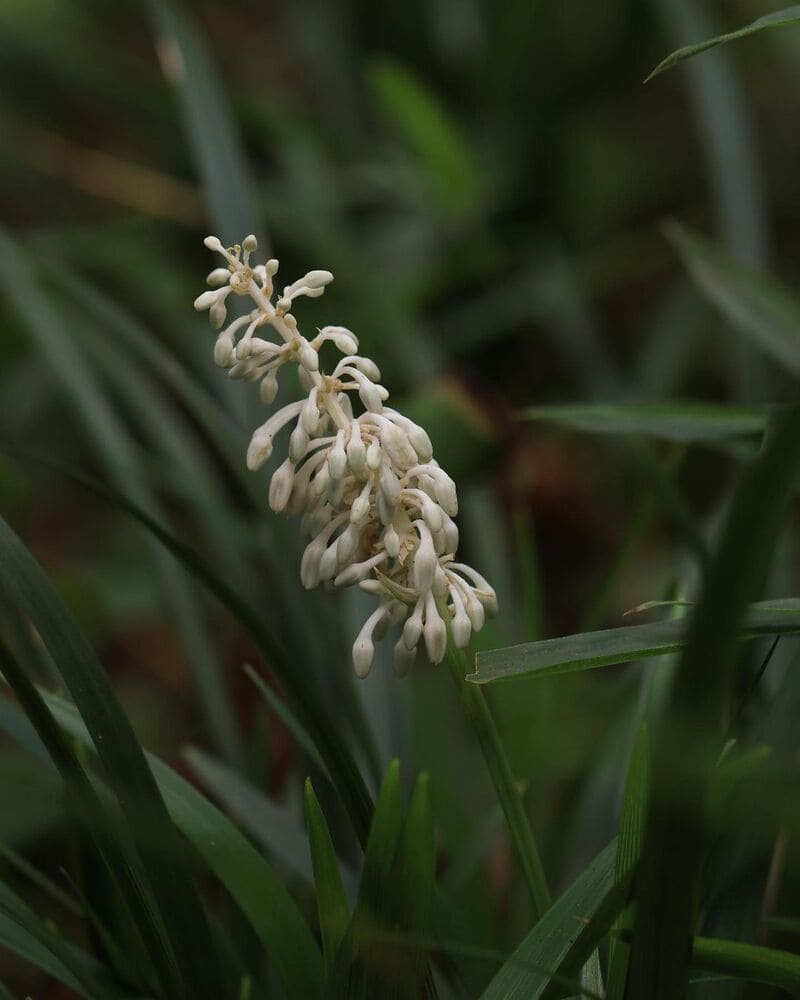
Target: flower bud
x,y
269,388
434,632
337,457
280,487
404,658
356,452
374,454
298,443
217,278
309,358
223,350
205,300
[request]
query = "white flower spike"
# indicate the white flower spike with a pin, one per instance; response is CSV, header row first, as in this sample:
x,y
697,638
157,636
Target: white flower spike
x,y
376,506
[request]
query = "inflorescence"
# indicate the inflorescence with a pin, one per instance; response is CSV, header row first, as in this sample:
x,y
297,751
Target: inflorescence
x,y
376,506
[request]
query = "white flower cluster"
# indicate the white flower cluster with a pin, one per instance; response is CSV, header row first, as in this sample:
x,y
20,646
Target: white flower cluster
x,y
377,507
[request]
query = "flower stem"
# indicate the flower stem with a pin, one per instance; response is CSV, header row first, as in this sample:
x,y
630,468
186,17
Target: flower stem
x,y
477,711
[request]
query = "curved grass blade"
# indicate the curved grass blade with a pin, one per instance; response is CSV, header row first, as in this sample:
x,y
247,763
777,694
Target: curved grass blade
x,y
755,304
312,714
41,735
332,906
565,937
227,852
588,650
778,19
212,133
114,448
268,823
138,339
38,942
768,966
433,136
40,880
24,588
480,717
686,423
31,948
288,718
690,733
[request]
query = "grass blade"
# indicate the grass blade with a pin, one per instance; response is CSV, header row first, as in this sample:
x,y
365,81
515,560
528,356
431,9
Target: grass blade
x,y
768,966
434,137
114,448
332,907
213,137
25,589
588,650
778,19
756,305
312,714
268,823
237,864
564,938
629,847
695,423
477,712
690,736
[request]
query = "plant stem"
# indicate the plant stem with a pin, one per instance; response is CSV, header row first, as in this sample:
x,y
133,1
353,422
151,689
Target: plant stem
x,y
477,711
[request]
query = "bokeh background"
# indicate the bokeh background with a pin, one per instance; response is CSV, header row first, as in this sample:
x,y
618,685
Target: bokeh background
x,y
488,181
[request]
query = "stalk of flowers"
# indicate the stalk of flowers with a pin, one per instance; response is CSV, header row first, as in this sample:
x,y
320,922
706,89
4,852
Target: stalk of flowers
x,y
375,505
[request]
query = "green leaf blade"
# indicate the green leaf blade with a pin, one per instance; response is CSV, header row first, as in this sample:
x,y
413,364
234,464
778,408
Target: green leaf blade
x,y
589,650
755,304
685,423
332,906
564,938
778,19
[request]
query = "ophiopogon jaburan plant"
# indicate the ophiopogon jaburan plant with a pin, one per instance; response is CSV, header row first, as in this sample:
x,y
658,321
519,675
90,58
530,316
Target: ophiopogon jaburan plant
x,y
170,896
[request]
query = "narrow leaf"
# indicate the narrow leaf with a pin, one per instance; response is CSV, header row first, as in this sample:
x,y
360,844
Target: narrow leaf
x,y
755,304
22,932
588,650
778,19
689,738
248,877
211,130
629,847
748,961
681,422
564,938
334,913
268,823
24,588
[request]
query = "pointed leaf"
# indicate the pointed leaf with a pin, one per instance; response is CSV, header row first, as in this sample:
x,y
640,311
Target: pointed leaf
x,y
778,19
332,907
769,966
755,304
629,848
588,650
681,422
564,938
690,737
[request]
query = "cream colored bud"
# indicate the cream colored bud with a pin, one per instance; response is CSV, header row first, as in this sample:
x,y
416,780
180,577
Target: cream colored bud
x,y
269,388
280,486
374,454
218,277
404,658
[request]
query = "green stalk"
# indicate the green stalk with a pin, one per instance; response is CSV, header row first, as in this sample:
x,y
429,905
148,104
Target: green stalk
x,y
477,711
